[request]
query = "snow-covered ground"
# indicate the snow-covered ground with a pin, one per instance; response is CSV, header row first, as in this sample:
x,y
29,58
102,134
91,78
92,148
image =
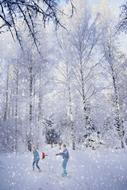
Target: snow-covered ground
x,y
88,170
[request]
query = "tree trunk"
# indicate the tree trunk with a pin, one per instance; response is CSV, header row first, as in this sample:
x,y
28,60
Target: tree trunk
x,y
30,99
6,96
71,117
16,109
70,110
5,117
86,116
118,120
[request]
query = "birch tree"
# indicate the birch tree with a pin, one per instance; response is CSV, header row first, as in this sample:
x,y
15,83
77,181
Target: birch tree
x,y
112,56
83,45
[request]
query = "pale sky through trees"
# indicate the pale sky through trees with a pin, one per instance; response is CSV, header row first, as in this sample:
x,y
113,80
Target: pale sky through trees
x,y
113,4
113,8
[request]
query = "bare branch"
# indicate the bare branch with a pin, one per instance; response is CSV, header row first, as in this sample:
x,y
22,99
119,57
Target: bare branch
x,y
14,10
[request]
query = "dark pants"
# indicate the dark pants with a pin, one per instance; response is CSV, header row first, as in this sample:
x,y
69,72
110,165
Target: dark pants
x,y
36,162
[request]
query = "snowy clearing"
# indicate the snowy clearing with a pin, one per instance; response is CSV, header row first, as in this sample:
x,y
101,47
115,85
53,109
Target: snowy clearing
x,y
89,170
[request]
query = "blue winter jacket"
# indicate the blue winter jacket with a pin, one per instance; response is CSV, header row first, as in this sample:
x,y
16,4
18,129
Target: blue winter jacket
x,y
36,155
65,154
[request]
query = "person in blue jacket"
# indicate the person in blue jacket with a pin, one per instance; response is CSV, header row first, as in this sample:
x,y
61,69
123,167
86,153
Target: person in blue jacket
x,y
65,155
36,158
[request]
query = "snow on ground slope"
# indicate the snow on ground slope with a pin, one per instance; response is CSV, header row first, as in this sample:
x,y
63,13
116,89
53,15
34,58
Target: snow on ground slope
x,y
88,170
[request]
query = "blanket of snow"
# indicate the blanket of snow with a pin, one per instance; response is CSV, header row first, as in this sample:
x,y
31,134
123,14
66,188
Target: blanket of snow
x,y
87,170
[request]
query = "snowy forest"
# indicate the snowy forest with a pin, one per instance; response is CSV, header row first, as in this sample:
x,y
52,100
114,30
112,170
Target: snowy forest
x,y
63,80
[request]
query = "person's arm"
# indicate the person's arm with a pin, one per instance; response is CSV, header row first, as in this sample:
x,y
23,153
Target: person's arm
x,y
60,154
